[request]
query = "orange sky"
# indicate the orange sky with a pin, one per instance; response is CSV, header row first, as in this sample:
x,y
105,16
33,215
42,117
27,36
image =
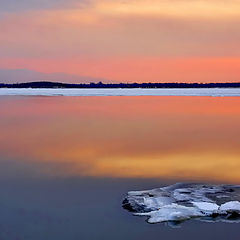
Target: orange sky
x,y
134,40
142,69
187,138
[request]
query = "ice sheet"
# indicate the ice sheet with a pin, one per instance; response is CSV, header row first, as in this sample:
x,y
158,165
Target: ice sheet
x,y
215,92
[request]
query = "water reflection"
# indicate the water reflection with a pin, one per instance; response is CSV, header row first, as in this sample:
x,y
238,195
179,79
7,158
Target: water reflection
x,y
128,137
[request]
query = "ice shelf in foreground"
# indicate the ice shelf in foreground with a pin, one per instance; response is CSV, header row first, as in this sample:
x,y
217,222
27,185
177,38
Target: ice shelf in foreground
x,y
181,201
215,92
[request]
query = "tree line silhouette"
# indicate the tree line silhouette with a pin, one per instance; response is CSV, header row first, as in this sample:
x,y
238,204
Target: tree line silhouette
x,y
46,84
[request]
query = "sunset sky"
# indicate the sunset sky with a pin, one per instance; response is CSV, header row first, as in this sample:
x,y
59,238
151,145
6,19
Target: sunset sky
x,y
123,40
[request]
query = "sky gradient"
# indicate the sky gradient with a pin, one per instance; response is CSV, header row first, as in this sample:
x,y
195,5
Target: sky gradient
x,y
134,40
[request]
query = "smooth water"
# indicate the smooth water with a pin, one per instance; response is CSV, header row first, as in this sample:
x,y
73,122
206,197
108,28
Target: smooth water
x,y
66,163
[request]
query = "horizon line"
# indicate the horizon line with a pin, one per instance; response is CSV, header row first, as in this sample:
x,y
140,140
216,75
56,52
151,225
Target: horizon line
x,y
111,83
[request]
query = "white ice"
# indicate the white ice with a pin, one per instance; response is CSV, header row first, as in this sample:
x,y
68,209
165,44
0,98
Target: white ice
x,y
231,206
172,212
206,207
215,92
180,202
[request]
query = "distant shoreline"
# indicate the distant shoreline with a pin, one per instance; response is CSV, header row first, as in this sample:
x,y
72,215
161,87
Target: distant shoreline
x,y
47,84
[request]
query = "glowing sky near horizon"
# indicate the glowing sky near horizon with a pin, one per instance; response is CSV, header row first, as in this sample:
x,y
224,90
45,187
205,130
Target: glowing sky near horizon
x,y
134,40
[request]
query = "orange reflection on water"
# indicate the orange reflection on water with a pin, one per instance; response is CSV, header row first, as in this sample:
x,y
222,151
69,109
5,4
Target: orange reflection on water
x,y
148,137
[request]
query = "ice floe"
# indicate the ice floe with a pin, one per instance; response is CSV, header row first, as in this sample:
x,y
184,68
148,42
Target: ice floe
x,y
181,201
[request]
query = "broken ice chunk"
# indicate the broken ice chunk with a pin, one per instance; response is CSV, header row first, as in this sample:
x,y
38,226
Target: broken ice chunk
x,y
172,212
232,206
180,202
206,206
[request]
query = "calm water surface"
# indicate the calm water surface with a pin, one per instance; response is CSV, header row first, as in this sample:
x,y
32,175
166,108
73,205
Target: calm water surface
x,y
66,162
